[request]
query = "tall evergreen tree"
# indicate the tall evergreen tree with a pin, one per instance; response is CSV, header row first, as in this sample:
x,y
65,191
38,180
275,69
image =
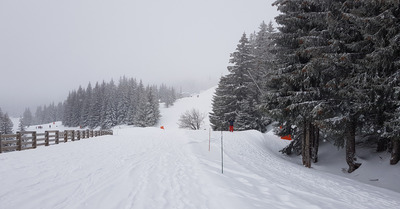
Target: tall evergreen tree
x,y
6,126
223,104
243,91
151,113
109,108
133,102
237,96
95,106
60,111
123,101
85,112
27,117
39,115
295,87
1,120
141,112
21,125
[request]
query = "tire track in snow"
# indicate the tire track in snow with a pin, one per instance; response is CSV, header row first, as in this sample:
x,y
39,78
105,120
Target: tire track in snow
x,y
149,168
168,170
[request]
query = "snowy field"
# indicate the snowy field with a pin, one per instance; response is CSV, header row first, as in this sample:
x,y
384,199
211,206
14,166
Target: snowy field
x,y
174,168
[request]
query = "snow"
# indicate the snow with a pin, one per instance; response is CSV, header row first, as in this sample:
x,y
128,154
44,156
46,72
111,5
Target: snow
x,y
173,168
201,102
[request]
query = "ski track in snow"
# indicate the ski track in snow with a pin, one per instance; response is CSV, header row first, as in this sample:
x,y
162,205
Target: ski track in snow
x,y
153,168
173,168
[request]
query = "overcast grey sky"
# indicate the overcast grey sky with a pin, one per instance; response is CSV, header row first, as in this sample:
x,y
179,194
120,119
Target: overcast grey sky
x,y
49,47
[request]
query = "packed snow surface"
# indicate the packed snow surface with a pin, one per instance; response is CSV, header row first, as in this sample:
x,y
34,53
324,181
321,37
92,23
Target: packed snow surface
x,y
175,168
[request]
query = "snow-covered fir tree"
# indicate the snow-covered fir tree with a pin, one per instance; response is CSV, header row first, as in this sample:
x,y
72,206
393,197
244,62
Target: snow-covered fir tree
x,y
96,105
151,109
85,111
294,87
167,95
21,125
223,104
246,120
141,111
109,108
123,102
133,105
238,94
6,125
243,90
27,117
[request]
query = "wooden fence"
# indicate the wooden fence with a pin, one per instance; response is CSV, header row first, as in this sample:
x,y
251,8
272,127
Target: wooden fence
x,y
31,139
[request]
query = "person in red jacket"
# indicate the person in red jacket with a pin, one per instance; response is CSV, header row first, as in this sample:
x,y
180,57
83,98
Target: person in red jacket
x,y
231,124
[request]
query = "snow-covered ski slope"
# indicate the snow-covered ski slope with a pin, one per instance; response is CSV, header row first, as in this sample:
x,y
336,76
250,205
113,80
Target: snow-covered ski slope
x,y
173,168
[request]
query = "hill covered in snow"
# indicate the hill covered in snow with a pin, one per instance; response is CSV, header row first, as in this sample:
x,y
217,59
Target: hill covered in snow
x,y
176,168
375,169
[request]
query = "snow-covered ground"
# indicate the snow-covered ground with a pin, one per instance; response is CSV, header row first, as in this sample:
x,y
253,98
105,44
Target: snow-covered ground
x,y
174,168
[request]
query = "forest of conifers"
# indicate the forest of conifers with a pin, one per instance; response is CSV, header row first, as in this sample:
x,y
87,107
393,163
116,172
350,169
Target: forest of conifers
x,y
331,71
106,105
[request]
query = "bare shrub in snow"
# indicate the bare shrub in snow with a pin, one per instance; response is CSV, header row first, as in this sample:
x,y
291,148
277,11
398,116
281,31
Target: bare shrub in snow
x,y
192,119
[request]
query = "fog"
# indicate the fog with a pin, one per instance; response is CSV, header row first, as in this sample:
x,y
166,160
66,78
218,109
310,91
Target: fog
x,y
48,48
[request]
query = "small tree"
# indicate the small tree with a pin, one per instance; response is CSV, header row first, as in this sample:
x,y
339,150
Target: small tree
x,y
21,125
6,126
192,119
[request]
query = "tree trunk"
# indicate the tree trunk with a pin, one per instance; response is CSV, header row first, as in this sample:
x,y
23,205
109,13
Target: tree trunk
x,y
315,144
395,151
382,144
306,151
350,134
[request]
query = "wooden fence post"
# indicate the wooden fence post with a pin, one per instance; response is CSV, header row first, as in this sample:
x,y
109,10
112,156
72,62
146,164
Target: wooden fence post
x,y
1,144
91,133
19,141
65,136
57,137
73,135
46,138
34,140
78,135
83,134
87,133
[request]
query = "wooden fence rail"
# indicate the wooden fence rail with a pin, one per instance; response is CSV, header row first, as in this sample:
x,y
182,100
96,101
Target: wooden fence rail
x,y
31,139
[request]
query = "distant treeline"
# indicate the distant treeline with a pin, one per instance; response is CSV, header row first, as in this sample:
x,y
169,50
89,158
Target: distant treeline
x,y
106,105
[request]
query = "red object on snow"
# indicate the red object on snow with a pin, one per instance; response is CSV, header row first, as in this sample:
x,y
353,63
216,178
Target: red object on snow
x,y
162,127
287,137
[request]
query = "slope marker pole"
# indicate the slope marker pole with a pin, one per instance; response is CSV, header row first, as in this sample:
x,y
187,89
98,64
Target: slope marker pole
x,y
209,140
222,153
